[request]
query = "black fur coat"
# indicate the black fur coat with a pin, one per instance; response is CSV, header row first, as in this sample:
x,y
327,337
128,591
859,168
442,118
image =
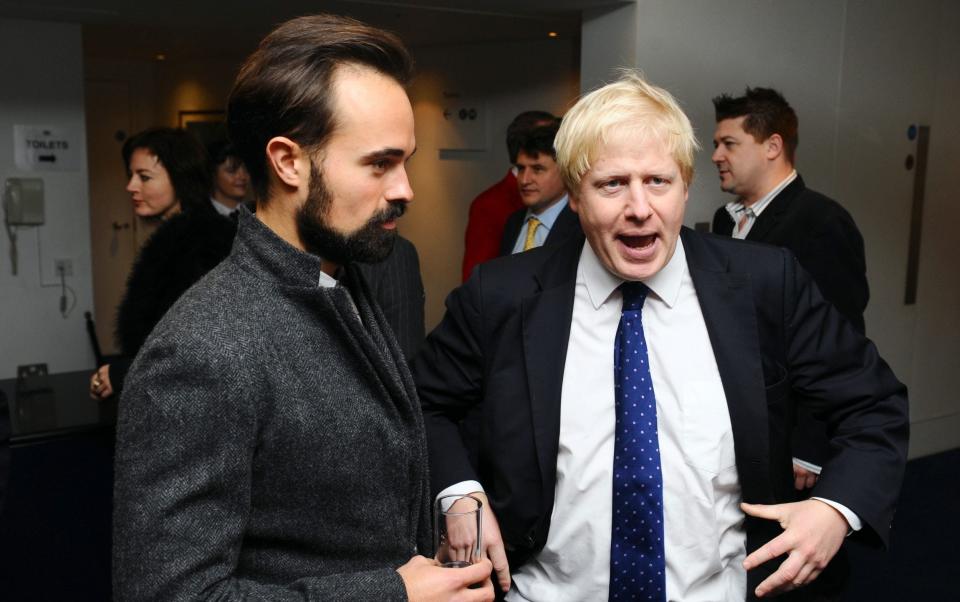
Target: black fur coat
x,y
179,253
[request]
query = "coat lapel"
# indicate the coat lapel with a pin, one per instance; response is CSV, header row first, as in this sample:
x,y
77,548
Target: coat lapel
x,y
775,211
726,300
546,317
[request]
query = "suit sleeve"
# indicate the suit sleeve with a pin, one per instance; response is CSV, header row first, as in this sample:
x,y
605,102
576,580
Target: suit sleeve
x,y
838,373
448,372
187,434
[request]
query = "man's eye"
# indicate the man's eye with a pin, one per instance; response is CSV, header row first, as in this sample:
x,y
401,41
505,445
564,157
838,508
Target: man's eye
x,y
612,185
658,181
381,164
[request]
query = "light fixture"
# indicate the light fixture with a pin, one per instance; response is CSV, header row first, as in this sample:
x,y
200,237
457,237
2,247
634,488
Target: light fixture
x,y
553,34
161,57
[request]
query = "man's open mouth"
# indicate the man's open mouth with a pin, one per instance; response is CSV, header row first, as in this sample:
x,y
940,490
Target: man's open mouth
x,y
638,242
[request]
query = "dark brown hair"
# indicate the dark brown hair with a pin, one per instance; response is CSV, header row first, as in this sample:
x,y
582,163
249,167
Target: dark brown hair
x,y
767,113
182,156
284,87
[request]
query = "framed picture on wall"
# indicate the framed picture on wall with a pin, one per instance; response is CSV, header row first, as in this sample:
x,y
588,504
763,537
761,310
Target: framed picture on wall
x,y
207,126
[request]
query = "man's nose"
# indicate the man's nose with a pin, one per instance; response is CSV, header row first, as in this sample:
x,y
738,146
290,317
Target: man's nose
x,y
400,189
638,206
717,155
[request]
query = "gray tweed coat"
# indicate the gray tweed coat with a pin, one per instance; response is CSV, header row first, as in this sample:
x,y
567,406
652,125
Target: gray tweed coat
x,y
270,445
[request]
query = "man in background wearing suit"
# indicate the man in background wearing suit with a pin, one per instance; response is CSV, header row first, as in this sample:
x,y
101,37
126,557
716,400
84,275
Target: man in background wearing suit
x,y
397,286
546,217
635,389
755,146
270,445
490,210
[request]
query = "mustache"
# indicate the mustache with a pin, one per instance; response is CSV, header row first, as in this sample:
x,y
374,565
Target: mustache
x,y
393,211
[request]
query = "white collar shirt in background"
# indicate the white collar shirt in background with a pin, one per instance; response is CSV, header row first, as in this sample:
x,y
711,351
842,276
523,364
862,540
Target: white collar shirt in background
x,y
736,208
547,218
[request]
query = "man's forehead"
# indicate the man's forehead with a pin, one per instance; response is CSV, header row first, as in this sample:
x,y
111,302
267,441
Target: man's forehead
x,y
732,126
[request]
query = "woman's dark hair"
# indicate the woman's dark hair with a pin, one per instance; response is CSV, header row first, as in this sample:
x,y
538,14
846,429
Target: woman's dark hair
x,y
182,156
283,89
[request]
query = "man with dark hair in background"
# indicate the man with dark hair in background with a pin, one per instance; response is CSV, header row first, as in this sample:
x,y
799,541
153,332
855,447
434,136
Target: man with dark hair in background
x,y
270,445
490,210
546,217
755,145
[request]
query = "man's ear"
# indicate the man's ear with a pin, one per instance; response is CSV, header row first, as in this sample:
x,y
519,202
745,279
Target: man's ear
x,y
285,158
774,146
572,201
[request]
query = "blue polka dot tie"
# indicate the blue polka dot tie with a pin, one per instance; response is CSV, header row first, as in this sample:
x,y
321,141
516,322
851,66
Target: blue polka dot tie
x,y
637,566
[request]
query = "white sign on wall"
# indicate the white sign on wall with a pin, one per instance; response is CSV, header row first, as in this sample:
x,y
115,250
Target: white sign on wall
x,y
45,148
464,124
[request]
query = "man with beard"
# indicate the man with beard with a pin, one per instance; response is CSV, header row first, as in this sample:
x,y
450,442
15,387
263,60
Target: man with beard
x,y
270,445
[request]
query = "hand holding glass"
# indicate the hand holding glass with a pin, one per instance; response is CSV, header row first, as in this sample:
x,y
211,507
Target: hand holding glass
x,y
457,530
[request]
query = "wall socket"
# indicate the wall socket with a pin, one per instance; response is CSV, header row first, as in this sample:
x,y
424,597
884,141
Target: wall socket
x,y
63,266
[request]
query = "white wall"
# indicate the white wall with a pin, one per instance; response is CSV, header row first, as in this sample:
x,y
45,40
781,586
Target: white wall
x,y
506,79
43,85
858,74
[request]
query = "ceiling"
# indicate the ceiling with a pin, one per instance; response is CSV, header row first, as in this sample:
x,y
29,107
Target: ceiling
x,y
182,30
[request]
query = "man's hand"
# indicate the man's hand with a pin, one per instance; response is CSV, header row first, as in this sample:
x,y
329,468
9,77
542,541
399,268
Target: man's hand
x,y
426,581
803,478
813,532
492,546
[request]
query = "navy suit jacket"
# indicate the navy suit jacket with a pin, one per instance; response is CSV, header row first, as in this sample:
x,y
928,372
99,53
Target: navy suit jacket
x,y
566,225
501,348
827,243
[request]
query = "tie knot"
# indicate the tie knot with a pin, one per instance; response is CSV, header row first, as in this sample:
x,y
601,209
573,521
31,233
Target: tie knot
x,y
634,293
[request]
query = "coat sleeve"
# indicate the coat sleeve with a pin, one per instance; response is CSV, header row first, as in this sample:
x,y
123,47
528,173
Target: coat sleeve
x,y
448,372
187,434
840,376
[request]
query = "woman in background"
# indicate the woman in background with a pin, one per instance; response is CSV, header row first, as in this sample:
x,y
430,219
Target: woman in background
x,y
169,182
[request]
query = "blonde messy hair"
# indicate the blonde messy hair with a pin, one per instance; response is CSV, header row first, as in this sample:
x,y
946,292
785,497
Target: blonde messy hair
x,y
629,106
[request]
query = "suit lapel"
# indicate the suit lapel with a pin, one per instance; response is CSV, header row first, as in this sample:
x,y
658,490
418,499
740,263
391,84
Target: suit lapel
x,y
546,317
775,211
726,300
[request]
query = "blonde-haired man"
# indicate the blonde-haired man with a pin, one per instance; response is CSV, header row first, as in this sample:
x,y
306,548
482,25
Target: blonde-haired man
x,y
636,389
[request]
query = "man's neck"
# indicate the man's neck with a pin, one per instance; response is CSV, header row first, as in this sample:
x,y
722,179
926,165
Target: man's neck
x,y
540,208
771,180
274,216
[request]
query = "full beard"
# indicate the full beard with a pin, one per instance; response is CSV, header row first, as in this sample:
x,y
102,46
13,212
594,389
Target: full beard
x,y
372,243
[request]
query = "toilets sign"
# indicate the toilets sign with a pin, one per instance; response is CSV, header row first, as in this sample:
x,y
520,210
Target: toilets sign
x,y
45,148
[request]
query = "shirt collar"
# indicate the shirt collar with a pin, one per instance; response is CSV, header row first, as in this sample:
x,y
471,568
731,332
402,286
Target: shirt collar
x,y
601,283
735,208
550,214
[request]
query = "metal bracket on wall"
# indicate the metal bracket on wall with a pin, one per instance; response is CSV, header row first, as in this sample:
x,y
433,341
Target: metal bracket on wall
x,y
916,212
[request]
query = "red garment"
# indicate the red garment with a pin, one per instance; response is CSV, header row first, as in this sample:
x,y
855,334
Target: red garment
x,y
488,215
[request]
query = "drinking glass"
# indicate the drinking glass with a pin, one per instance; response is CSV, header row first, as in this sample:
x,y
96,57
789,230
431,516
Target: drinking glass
x,y
457,530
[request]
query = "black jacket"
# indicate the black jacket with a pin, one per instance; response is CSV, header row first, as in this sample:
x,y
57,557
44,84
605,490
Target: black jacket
x,y
182,249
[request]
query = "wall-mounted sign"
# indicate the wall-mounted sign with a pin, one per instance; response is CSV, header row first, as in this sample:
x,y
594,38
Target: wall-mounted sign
x,y
45,148
464,124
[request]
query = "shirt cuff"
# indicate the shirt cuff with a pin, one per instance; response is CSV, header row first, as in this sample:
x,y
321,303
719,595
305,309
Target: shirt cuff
x,y
461,488
811,467
852,519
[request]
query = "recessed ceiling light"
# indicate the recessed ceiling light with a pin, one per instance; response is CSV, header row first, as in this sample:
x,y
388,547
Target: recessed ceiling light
x,y
553,34
161,57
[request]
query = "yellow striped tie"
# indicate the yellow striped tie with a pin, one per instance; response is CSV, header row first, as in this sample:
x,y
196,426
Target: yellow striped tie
x,y
528,242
